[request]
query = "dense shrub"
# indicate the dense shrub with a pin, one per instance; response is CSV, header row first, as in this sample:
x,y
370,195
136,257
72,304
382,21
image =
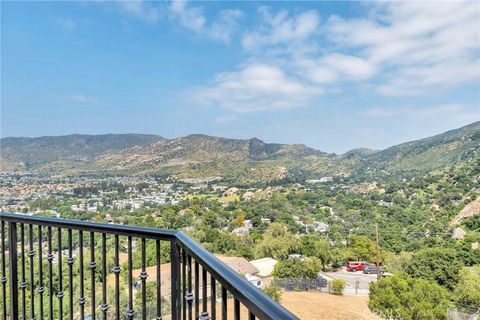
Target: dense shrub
x,y
337,286
274,292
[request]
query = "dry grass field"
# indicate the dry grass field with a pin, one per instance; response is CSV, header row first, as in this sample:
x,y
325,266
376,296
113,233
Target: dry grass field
x,y
318,306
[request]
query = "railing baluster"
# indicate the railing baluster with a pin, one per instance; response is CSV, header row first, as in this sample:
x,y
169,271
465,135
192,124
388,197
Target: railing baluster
x,y
189,262
143,278
175,292
93,266
159,282
197,290
31,255
4,274
224,303
81,301
40,288
236,309
184,286
204,290
104,306
50,273
213,297
23,284
70,274
13,269
116,271
130,312
60,275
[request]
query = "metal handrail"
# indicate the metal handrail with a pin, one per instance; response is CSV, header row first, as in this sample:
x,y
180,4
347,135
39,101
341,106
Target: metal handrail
x,y
258,303
118,229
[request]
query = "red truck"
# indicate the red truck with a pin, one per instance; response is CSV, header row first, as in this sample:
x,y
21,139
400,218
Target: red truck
x,y
356,265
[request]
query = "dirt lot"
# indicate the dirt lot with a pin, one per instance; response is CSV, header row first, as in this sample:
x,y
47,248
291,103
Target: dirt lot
x,y
317,305
314,306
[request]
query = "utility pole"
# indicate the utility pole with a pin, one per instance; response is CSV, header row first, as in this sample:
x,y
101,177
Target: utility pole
x,y
378,251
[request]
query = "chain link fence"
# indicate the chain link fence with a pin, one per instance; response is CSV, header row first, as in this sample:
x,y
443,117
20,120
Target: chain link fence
x,y
322,285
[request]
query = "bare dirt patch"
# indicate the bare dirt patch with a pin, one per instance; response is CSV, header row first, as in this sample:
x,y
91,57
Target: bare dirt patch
x,y
470,210
317,305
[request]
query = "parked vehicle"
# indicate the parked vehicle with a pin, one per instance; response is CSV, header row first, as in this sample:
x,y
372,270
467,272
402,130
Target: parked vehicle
x,y
372,269
356,265
256,281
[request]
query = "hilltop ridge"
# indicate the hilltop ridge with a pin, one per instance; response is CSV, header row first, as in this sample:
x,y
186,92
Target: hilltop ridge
x,y
199,155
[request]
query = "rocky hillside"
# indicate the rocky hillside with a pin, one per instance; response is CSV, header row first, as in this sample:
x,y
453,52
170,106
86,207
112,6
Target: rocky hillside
x,y
30,153
431,153
201,149
141,153
201,156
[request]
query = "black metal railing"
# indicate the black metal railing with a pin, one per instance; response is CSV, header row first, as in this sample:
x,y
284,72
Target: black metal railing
x,y
133,272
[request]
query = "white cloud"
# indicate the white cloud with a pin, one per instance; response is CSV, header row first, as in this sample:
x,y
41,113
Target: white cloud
x,y
417,45
399,48
255,87
335,66
193,18
143,10
281,29
81,98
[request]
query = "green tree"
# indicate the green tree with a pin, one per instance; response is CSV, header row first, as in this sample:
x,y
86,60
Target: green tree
x,y
362,248
416,299
313,245
297,269
289,269
467,291
438,264
276,243
396,263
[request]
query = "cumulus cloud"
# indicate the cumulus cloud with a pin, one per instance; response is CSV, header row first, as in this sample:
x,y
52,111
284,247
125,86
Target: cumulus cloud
x,y
255,87
399,48
335,66
417,45
193,18
281,29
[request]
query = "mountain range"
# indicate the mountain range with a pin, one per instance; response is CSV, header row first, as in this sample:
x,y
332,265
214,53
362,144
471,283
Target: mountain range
x,y
200,156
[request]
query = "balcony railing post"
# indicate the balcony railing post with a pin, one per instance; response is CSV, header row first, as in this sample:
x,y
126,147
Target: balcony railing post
x,y
13,270
175,273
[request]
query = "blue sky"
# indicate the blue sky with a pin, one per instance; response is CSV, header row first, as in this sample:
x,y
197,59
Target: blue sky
x,y
332,75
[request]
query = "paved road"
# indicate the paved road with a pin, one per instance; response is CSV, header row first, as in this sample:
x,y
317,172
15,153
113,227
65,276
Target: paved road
x,y
353,277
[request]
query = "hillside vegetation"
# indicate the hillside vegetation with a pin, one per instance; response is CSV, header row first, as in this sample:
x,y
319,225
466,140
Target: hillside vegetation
x,y
236,160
